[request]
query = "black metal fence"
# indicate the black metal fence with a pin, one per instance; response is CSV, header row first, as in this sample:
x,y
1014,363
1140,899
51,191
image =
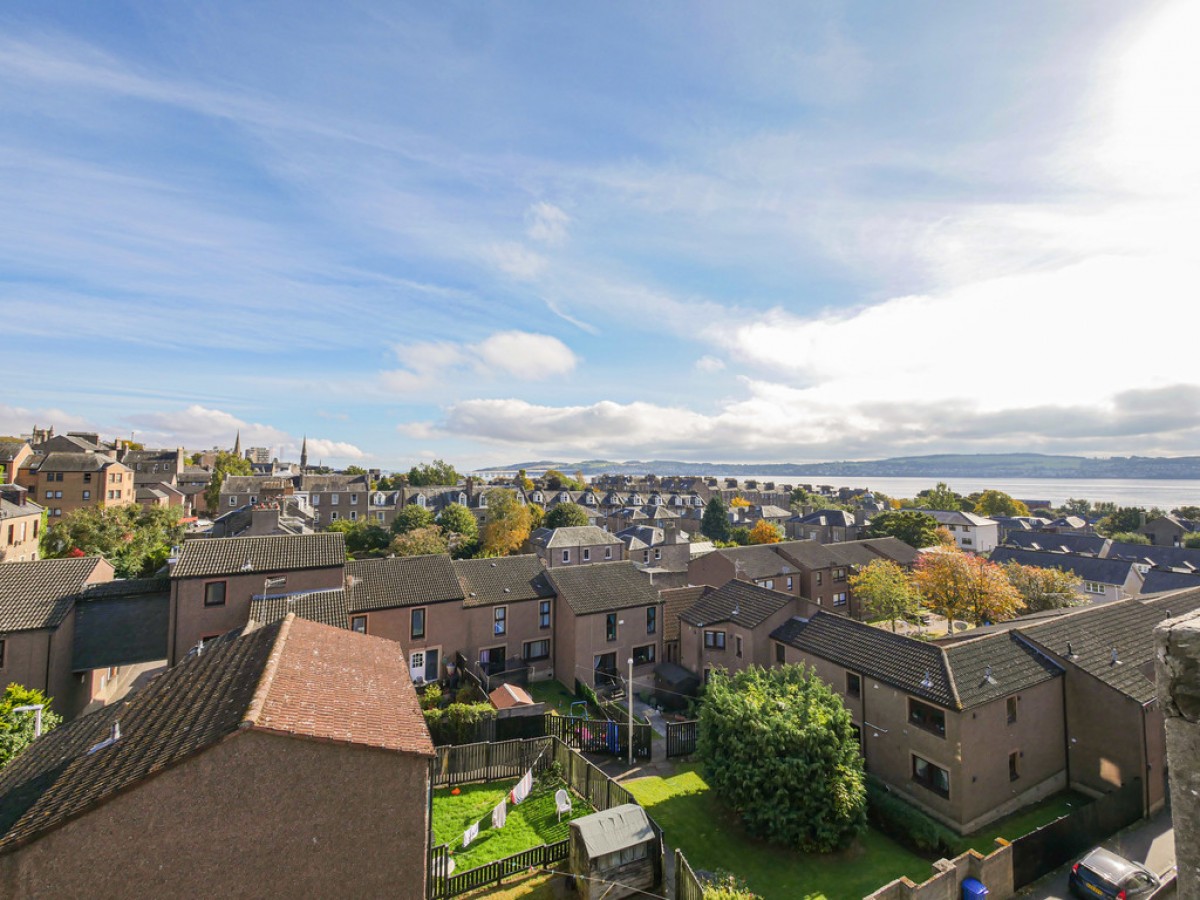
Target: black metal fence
x,y
442,885
1050,846
589,735
681,738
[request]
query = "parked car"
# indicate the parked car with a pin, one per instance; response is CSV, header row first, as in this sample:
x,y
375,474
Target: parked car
x,y
1104,874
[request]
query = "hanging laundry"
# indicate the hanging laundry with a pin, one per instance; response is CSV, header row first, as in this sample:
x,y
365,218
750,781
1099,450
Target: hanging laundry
x,y
500,814
524,786
470,834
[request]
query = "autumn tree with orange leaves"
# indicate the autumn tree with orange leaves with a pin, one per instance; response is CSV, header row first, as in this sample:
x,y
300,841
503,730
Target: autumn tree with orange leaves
x,y
764,532
958,585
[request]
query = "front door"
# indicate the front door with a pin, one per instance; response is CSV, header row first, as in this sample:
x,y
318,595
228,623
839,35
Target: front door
x,y
431,665
416,666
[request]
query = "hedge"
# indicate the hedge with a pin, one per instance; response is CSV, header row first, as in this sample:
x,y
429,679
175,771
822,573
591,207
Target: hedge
x,y
906,824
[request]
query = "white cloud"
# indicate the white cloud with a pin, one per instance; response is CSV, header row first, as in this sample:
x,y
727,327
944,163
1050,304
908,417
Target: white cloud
x,y
710,364
522,355
547,223
18,420
321,449
516,260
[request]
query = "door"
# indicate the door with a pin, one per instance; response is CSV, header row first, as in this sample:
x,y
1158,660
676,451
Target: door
x,y
606,669
431,665
416,666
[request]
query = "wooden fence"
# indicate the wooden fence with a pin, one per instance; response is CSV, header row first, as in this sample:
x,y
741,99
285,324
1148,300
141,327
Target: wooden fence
x,y
687,885
681,738
442,886
464,763
589,735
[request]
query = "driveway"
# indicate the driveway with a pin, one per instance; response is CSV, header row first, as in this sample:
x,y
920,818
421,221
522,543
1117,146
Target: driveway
x,y
1151,842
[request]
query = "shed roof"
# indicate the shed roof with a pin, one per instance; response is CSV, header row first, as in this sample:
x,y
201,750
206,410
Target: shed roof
x,y
615,829
121,623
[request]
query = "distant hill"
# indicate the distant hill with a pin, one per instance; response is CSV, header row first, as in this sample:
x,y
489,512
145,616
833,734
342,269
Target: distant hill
x,y
947,465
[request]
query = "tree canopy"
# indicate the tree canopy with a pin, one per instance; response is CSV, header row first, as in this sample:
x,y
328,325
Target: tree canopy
x,y
225,464
411,516
915,528
714,524
557,481
886,591
939,497
136,540
779,749
421,541
1124,518
960,585
17,729
459,520
362,536
434,473
1043,589
507,525
764,532
566,515
998,503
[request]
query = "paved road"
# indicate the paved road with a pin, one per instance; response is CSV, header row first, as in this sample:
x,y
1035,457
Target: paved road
x,y
1152,843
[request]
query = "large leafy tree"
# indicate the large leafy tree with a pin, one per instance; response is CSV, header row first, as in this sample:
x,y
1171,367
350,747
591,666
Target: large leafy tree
x,y
411,516
458,519
885,590
1125,518
557,481
714,524
362,536
915,528
421,541
507,525
225,464
961,585
939,497
1043,589
434,473
998,503
764,532
566,515
779,749
17,729
136,540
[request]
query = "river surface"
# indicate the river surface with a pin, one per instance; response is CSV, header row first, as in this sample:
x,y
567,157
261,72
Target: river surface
x,y
1163,493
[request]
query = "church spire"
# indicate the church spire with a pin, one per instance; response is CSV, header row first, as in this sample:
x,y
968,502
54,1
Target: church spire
x,y
237,444
304,454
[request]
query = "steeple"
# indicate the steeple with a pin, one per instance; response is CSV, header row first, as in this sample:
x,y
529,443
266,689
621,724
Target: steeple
x,y
237,444
304,454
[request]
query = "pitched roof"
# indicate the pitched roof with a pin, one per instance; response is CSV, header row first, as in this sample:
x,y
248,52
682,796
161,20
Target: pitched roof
x,y
762,560
40,593
328,607
956,677
1088,568
10,449
1127,625
10,510
401,581
121,623
957,517
83,461
1093,544
838,518
1159,580
739,602
271,553
503,580
293,677
617,828
577,536
1156,555
675,601
890,548
603,587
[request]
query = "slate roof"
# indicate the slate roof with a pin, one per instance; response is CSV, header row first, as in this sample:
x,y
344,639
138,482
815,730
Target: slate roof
x,y
761,561
603,587
1088,568
1092,544
121,623
1128,625
9,509
40,593
890,548
955,677
1156,555
270,553
675,601
9,450
328,607
576,536
957,517
252,484
488,581
293,677
61,461
740,602
332,483
401,581
1158,580
837,518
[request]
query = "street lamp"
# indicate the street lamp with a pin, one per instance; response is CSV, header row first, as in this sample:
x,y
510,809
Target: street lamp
x,y
629,701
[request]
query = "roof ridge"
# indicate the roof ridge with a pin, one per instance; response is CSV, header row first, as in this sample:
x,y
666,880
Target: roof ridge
x,y
265,681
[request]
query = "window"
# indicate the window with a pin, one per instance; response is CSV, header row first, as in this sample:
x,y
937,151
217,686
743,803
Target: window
x,y
587,554
643,655
566,556
658,554
768,583
544,614
378,517
714,640
789,582
928,717
57,511
354,499
1093,587
737,646
610,627
335,499
853,685
930,776
839,599
1012,709
253,500
416,624
354,515
49,495
359,624
87,495
232,500
839,574
1,654
651,619
1014,765
536,650
780,654
645,556
58,495
500,620
214,593
820,575
333,515
316,499
87,477
608,552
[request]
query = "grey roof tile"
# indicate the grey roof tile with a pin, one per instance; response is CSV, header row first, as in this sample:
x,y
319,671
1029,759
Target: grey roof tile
x,y
401,581
40,593
272,553
503,580
739,602
603,587
327,607
121,623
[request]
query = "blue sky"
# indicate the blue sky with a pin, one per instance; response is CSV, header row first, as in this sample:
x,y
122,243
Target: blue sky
x,y
527,230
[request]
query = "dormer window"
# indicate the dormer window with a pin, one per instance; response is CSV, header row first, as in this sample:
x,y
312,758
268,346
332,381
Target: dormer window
x,y
421,501
378,499
462,499
589,499
537,497
483,501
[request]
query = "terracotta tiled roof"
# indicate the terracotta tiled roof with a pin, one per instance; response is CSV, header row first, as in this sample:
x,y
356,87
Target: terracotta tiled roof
x,y
40,593
293,677
273,553
603,587
401,581
502,580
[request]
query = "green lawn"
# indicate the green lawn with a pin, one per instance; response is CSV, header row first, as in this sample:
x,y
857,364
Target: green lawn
x,y
531,824
1021,823
554,695
710,837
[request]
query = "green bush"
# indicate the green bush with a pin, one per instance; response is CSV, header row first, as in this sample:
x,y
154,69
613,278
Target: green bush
x,y
431,697
460,723
907,825
721,885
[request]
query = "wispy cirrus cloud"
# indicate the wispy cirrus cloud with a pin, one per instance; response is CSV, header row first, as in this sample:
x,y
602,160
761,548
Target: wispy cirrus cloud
x,y
518,355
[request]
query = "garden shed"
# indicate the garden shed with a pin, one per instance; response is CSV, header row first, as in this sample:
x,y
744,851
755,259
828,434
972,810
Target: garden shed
x,y
616,853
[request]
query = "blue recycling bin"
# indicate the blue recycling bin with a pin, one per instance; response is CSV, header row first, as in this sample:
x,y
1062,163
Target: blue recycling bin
x,y
973,889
